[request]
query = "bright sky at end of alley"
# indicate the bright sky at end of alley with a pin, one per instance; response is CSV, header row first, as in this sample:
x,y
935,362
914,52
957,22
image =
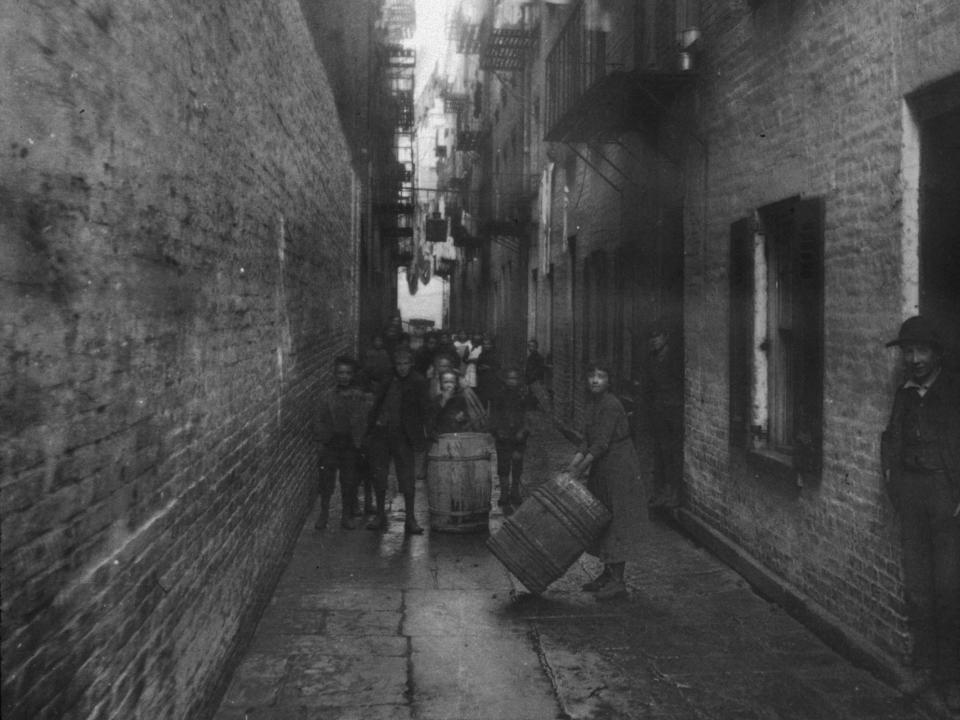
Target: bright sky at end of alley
x,y
430,38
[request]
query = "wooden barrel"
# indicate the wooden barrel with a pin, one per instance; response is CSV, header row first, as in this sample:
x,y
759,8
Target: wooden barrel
x,y
549,531
459,481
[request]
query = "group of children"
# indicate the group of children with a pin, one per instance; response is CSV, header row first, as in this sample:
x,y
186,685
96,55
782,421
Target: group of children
x,y
391,405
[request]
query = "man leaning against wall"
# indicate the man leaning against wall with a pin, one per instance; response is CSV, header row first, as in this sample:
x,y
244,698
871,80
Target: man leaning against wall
x,y
921,467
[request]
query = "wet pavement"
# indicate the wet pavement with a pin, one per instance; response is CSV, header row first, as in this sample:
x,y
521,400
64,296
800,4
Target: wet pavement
x,y
384,626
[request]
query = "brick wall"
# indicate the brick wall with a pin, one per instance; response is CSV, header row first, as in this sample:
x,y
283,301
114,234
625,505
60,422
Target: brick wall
x,y
621,199
835,134
176,252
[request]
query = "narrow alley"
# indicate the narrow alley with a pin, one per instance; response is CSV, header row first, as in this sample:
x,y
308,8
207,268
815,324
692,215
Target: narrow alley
x,y
432,627
247,245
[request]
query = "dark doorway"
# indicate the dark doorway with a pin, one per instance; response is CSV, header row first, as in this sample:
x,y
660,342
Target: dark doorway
x,y
938,112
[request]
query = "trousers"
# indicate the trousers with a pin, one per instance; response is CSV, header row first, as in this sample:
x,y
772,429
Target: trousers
x,y
931,570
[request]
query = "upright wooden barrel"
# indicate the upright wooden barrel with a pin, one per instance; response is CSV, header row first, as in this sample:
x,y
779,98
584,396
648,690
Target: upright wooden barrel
x,y
459,481
550,530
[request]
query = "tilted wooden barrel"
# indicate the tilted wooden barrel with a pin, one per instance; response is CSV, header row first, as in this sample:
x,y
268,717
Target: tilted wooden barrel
x,y
550,530
459,482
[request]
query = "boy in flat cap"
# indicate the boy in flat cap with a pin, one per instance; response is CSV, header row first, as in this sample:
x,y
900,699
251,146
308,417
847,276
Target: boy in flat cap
x,y
396,432
341,423
920,453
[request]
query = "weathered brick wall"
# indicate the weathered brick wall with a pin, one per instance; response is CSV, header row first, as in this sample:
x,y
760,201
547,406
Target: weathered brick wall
x,y
177,272
805,98
620,199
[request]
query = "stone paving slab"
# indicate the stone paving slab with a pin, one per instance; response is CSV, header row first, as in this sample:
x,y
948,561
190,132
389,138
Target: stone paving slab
x,y
384,626
479,677
345,681
443,613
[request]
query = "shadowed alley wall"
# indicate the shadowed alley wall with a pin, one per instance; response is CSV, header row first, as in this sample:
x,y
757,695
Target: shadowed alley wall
x,y
837,134
177,270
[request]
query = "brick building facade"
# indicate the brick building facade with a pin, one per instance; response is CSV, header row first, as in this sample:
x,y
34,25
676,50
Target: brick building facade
x,y
179,223
776,181
811,116
183,219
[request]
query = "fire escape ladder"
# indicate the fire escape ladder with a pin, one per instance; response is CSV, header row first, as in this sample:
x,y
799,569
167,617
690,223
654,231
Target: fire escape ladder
x,y
596,169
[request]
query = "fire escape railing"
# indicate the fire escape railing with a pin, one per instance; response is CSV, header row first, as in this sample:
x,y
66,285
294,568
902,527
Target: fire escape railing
x,y
575,63
394,200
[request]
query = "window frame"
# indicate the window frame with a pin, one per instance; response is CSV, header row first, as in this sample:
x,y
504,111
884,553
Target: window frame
x,y
776,334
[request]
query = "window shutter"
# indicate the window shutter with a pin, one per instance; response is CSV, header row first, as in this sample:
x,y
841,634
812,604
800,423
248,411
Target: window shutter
x,y
602,309
741,330
807,262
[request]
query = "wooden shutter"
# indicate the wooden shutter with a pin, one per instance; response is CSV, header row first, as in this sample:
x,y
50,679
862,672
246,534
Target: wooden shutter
x,y
741,330
807,264
603,316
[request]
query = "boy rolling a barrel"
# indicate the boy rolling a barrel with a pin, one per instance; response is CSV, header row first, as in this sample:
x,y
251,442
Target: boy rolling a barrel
x,y
613,477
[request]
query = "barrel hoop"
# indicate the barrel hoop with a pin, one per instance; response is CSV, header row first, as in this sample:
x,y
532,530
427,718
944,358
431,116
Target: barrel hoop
x,y
543,567
540,553
456,514
588,512
532,583
457,458
572,517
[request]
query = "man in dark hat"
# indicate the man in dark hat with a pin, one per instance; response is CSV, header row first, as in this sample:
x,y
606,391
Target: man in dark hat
x,y
535,374
663,397
920,453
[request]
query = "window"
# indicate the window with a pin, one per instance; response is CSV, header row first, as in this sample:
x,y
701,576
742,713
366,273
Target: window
x,y
776,333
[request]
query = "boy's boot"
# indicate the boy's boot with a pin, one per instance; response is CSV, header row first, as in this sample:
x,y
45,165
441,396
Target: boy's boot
x,y
379,521
324,515
410,526
346,513
505,494
615,587
368,507
599,581
355,510
516,493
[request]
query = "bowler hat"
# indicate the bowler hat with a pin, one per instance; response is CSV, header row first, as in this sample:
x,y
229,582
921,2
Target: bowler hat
x,y
918,330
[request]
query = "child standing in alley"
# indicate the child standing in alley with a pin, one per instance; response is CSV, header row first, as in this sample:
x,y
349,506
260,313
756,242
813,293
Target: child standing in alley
x,y
397,431
341,424
510,430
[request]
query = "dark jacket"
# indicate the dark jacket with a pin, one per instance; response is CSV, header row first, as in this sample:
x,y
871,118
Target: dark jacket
x,y
415,407
942,411
377,367
342,413
452,417
535,369
508,414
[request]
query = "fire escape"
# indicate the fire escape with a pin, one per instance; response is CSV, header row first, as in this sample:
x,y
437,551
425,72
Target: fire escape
x,y
508,42
399,19
463,100
610,75
395,191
